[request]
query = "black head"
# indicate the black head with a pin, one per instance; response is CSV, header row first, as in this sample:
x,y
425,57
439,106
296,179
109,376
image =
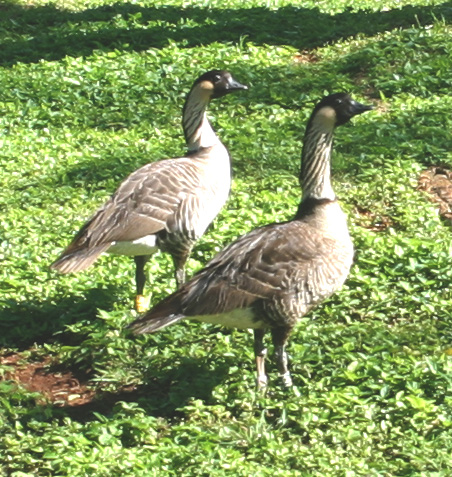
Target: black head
x,y
340,108
218,83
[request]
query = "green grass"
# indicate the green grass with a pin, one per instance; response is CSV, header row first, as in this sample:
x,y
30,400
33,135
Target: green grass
x,y
91,90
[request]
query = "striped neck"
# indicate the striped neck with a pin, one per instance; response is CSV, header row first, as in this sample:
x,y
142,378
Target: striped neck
x,y
197,129
315,160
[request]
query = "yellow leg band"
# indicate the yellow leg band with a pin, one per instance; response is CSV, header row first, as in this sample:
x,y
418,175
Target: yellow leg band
x,y
141,303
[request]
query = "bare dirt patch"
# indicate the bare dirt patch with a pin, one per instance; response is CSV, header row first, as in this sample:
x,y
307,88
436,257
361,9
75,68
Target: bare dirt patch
x,y
75,397
373,221
306,56
437,182
59,387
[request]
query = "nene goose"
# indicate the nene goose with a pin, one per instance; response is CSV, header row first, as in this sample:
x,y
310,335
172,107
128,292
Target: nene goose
x,y
164,205
272,276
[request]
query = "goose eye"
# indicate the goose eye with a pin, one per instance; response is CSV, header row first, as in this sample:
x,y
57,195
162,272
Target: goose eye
x,y
217,78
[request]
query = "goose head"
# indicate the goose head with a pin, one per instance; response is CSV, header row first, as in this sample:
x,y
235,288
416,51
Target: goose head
x,y
337,109
217,83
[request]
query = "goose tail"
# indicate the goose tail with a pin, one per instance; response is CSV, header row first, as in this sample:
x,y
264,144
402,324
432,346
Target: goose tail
x,y
76,261
164,314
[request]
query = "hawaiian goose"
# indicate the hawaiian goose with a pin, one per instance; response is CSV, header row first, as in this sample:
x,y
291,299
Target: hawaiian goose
x,y
164,205
272,276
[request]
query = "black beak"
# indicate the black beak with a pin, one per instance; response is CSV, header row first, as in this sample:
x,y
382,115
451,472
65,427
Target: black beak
x,y
358,108
234,85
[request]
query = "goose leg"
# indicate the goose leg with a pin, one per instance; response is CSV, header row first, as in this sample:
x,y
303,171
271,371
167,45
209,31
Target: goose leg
x,y
140,280
179,260
280,336
260,352
180,276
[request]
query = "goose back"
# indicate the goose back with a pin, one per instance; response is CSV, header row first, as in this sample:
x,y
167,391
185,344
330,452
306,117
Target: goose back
x,y
270,276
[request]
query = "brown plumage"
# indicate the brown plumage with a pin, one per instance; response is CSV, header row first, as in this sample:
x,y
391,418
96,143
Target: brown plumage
x,y
272,276
164,205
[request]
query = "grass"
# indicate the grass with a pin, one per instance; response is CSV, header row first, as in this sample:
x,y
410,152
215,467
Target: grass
x,y
91,90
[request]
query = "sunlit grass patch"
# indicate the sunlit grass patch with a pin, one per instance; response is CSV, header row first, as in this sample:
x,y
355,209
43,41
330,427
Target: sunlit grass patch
x,y
89,92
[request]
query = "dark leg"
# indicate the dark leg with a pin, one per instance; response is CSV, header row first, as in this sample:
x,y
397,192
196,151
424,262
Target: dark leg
x,y
280,337
140,280
260,352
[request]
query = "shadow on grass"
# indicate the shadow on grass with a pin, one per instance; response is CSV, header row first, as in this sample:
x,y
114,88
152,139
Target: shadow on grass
x,y
23,324
167,390
49,33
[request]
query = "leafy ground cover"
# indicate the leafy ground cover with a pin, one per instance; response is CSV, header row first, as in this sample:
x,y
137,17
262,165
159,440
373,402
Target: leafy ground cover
x,y
91,90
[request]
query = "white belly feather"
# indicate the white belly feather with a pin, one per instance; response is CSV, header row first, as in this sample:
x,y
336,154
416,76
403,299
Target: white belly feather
x,y
241,318
142,246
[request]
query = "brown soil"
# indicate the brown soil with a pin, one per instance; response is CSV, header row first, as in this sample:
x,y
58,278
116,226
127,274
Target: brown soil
x,y
437,182
372,221
305,56
60,388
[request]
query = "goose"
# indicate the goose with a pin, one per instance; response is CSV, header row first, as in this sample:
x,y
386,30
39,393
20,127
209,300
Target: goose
x,y
270,277
164,205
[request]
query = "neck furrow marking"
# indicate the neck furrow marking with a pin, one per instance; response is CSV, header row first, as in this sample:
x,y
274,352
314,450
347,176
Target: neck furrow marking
x,y
315,170
197,129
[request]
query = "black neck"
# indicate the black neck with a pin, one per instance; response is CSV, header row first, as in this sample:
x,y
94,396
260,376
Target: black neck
x,y
307,206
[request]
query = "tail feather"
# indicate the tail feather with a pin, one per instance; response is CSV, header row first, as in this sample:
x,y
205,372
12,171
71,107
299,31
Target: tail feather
x,y
71,262
144,325
162,315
